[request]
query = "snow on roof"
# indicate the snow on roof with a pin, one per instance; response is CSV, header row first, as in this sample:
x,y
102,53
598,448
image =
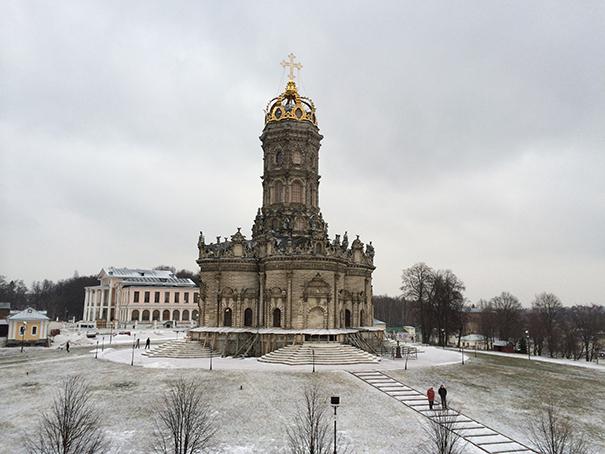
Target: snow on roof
x,y
136,272
473,337
226,329
29,314
5,305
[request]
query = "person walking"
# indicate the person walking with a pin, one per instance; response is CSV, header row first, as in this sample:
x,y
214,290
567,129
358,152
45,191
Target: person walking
x,y
147,343
443,393
67,346
430,394
138,345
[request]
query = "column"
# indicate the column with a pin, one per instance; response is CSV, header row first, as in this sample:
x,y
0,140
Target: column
x,y
94,304
288,316
85,312
109,304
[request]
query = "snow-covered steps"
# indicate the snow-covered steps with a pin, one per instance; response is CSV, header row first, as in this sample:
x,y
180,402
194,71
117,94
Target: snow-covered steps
x,y
178,349
321,353
484,438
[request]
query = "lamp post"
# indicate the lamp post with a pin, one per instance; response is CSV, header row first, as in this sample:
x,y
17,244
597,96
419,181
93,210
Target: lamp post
x,y
103,344
97,349
335,402
313,360
132,357
23,329
527,345
210,358
443,338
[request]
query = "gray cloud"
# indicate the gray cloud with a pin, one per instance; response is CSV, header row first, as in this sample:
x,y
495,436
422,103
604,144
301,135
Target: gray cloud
x,y
466,135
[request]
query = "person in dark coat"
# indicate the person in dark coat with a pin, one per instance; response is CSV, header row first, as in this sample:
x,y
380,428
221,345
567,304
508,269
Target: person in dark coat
x,y
443,393
430,394
147,343
67,346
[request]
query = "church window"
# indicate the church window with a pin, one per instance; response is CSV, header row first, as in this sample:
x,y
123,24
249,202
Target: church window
x,y
297,192
248,317
146,297
156,297
227,319
276,318
279,192
136,297
176,297
166,297
279,158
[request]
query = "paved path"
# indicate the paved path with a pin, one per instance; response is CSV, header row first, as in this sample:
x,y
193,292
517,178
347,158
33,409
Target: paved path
x,y
486,439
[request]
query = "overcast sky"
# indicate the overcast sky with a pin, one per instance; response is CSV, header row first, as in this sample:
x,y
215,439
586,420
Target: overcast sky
x,y
469,135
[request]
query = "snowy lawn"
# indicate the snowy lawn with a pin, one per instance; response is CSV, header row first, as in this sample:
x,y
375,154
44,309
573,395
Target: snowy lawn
x,y
503,391
497,391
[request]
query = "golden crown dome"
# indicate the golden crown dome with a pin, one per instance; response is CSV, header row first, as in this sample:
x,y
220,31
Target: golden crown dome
x,y
290,106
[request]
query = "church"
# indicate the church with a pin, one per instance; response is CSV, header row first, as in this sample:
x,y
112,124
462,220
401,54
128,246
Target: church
x,y
290,282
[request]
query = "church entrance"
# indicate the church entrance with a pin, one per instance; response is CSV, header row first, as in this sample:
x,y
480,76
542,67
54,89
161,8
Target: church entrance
x,y
315,319
347,318
276,318
227,319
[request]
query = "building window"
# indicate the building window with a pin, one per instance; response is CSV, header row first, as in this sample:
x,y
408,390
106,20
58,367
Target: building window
x,y
279,192
34,330
176,297
166,297
146,297
156,297
276,318
248,317
136,297
186,297
227,317
22,330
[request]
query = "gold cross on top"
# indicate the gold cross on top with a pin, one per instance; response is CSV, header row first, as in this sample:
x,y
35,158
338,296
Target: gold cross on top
x,y
290,63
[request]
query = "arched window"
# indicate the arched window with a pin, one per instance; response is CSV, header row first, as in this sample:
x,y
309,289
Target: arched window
x,y
135,315
276,318
176,316
166,315
348,318
227,319
279,192
296,192
145,315
185,315
156,315
248,317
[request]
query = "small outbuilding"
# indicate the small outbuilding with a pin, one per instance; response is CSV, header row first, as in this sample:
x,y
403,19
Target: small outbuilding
x,y
28,327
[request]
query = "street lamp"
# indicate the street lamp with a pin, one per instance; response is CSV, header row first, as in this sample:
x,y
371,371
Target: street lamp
x,y
335,402
462,350
97,349
210,358
23,329
313,360
132,357
527,344
443,337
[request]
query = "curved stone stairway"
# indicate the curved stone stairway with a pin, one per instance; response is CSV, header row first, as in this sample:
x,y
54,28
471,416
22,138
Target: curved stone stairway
x,y
179,349
325,354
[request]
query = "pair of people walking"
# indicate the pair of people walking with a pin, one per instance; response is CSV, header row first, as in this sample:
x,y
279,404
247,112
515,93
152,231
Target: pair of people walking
x,y
430,394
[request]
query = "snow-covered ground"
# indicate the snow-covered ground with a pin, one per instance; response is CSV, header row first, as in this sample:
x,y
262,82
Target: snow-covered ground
x,y
105,337
567,362
499,391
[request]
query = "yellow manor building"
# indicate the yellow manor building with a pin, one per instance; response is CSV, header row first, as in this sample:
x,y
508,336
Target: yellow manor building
x,y
291,282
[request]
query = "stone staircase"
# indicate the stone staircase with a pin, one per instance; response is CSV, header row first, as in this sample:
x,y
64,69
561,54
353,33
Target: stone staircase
x,y
179,349
324,353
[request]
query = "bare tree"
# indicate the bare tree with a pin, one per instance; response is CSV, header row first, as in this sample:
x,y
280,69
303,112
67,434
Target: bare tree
x,y
551,433
417,283
72,425
441,436
183,424
549,308
309,431
507,309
